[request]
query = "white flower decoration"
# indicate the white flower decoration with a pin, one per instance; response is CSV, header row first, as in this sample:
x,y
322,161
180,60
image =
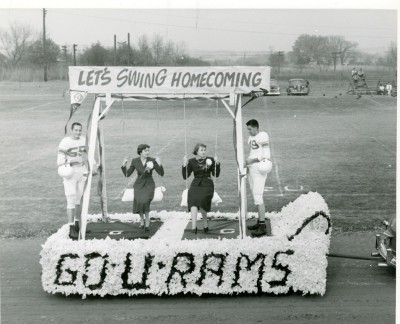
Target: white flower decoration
x,y
101,266
150,165
208,162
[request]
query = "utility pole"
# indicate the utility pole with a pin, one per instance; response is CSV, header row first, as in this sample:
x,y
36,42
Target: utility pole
x,y
115,49
74,47
64,49
129,49
280,53
44,47
334,54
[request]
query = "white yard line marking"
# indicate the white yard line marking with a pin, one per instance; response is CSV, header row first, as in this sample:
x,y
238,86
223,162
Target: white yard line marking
x,y
320,102
275,164
171,230
29,161
34,107
383,145
171,140
276,170
359,130
373,100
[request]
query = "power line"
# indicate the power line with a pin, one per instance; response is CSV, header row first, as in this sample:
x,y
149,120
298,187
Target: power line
x,y
44,47
258,23
207,28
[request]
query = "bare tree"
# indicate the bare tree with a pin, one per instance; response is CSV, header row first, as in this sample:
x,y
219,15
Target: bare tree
x,y
391,56
180,51
15,41
342,46
145,56
157,48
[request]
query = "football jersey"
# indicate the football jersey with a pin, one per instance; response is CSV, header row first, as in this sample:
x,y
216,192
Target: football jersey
x,y
259,146
71,149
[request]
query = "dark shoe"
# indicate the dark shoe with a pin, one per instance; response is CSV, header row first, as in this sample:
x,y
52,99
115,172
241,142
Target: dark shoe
x,y
194,231
254,227
147,229
141,226
205,229
76,226
260,231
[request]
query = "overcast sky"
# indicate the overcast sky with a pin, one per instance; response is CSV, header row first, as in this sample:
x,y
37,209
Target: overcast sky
x,y
210,29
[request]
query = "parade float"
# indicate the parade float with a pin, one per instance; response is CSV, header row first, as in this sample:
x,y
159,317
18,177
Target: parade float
x,y
170,259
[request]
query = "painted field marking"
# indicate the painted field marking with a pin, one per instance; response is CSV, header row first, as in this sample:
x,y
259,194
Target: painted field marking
x,y
383,145
172,140
269,189
34,107
356,128
321,103
374,101
227,231
171,230
29,161
275,164
294,188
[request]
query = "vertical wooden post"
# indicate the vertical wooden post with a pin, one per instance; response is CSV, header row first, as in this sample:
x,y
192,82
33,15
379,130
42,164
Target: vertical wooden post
x,y
241,165
90,153
102,161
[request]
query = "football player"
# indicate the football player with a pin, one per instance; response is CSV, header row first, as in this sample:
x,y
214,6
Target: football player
x,y
72,151
258,164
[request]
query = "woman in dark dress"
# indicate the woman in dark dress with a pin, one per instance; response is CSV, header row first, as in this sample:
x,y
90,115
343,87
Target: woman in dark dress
x,y
144,185
201,190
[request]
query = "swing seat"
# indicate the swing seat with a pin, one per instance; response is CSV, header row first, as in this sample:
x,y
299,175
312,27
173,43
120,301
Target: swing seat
x,y
158,194
216,199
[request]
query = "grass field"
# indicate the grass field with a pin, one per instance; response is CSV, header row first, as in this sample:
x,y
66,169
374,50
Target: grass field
x,y
334,144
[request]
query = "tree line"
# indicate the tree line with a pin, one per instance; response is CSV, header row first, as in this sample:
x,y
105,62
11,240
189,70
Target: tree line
x,y
20,47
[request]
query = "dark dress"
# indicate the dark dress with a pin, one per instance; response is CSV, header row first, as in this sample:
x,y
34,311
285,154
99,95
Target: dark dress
x,y
144,185
201,190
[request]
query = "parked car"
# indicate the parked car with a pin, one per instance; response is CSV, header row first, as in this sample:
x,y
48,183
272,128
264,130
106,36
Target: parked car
x,y
274,88
298,87
385,244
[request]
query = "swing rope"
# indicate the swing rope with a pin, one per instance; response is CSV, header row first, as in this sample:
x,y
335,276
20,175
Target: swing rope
x,y
123,136
157,121
216,139
185,136
158,129
128,183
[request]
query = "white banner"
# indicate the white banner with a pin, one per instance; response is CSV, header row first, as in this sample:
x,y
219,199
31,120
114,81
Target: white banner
x,y
169,80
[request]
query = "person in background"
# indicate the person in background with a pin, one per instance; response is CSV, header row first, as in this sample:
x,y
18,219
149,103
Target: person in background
x,y
389,88
354,75
381,88
361,74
